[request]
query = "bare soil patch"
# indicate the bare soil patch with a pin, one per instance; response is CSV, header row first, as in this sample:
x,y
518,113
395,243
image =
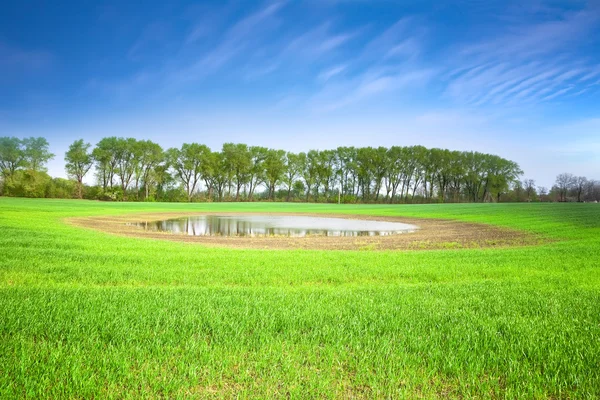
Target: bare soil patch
x,y
432,234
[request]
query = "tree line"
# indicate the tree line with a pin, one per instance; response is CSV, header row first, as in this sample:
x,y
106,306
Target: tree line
x,y
141,170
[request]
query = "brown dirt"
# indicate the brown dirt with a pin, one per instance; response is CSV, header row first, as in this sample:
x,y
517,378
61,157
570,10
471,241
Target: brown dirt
x,y
432,234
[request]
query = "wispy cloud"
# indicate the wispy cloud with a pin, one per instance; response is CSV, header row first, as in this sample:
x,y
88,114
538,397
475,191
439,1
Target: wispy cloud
x,y
331,72
527,63
153,37
368,85
242,35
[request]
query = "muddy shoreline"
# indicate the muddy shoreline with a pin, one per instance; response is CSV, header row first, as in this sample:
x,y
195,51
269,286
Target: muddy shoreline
x,y
433,234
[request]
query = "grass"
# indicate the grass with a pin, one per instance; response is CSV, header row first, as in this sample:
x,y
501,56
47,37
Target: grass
x,y
86,314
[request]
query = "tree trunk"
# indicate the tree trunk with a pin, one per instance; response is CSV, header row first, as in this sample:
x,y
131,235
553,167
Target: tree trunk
x,y
79,187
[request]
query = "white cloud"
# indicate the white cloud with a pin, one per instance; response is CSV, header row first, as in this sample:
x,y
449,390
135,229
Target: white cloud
x,y
367,85
528,63
331,72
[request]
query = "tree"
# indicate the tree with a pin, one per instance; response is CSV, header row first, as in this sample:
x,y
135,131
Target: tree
x,y
308,168
36,153
274,169
104,155
78,162
187,163
579,184
346,169
543,193
292,171
500,174
592,191
529,186
127,156
256,174
457,173
325,174
221,175
366,169
11,156
150,156
518,190
564,183
238,162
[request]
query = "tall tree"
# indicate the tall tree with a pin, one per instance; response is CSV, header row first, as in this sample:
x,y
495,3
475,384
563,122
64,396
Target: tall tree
x,y
127,155
256,175
150,155
564,183
36,153
105,158
308,167
274,170
187,163
78,162
529,187
579,184
292,171
12,156
501,173
238,162
347,169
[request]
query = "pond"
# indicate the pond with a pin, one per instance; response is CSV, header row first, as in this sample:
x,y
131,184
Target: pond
x,y
269,225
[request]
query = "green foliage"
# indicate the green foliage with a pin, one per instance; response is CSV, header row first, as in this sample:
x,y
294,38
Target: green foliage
x,y
36,153
188,164
27,183
12,156
143,171
78,162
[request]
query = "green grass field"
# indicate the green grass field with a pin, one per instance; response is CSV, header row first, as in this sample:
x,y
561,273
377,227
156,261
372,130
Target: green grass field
x,y
85,314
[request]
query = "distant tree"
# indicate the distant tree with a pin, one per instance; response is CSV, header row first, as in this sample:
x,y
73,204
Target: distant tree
x,y
292,171
221,175
366,161
36,153
592,190
187,163
256,176
564,183
518,190
529,186
274,169
394,171
500,174
543,193
457,172
78,162
210,170
579,184
105,158
12,156
309,168
237,161
325,173
127,154
149,156
346,169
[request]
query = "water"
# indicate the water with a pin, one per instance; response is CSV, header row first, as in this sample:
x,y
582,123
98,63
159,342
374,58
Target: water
x,y
268,225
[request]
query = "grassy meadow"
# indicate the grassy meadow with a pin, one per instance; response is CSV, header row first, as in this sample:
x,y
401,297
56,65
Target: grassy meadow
x,y
86,314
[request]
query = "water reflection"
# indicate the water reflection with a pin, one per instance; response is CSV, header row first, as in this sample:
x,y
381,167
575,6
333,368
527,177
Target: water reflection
x,y
265,225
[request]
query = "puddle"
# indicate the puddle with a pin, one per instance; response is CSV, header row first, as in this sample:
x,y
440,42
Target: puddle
x,y
281,225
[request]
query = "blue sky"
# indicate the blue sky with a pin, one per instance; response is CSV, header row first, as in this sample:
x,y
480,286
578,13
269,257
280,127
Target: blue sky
x,y
518,80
